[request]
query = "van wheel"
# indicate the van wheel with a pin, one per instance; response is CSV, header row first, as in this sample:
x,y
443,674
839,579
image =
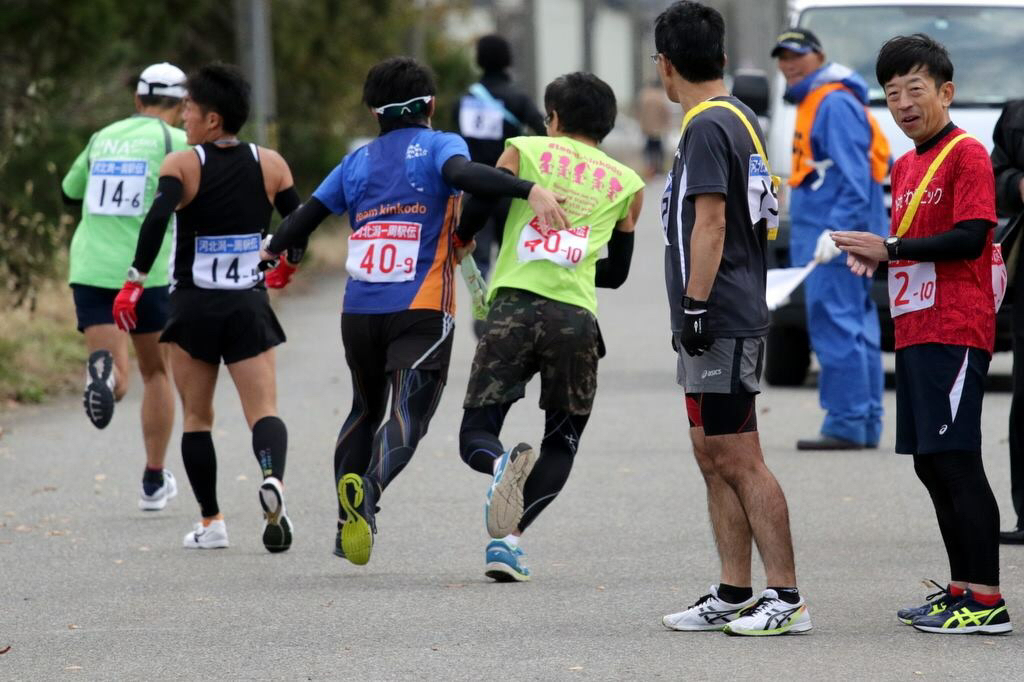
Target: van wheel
x,y
788,356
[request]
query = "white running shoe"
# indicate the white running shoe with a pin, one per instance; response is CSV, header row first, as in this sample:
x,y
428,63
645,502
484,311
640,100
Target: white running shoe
x,y
277,528
158,500
709,613
214,536
772,616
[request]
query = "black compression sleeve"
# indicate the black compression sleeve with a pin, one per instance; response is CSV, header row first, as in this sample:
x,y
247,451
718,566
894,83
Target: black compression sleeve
x,y
294,230
286,201
612,271
477,178
151,234
966,241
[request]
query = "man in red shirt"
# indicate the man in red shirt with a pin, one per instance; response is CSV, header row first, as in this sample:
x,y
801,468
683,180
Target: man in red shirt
x,y
943,308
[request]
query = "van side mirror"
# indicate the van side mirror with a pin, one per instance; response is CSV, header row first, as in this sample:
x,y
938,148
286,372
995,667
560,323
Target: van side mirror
x,y
751,87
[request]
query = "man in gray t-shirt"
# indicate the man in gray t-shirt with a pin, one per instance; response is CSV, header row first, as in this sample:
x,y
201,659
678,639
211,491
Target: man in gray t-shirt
x,y
718,209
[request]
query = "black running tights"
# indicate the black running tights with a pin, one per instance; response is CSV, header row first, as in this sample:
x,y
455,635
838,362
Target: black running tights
x,y
967,513
380,451
479,446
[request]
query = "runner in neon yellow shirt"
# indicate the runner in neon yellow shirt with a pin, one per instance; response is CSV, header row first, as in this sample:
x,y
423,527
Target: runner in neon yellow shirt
x,y
114,180
543,306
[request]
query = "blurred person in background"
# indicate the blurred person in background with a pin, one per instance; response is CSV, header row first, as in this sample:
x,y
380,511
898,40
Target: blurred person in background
x,y
1008,164
652,112
114,180
840,161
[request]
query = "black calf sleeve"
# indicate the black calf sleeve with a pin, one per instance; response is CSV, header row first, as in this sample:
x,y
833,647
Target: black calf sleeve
x,y
479,444
270,445
962,496
562,433
200,461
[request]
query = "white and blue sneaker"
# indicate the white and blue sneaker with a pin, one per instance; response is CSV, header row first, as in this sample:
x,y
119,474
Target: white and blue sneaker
x,y
708,613
504,507
212,536
505,563
157,500
772,616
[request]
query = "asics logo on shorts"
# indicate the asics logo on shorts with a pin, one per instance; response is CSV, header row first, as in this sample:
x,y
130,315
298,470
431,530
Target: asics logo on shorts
x,y
943,428
710,373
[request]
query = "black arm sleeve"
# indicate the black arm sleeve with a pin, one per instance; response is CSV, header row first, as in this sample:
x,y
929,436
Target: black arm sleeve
x,y
294,230
151,234
477,178
286,201
612,270
966,241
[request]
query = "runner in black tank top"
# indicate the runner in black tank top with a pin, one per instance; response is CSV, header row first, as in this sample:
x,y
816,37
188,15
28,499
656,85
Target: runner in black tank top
x,y
220,310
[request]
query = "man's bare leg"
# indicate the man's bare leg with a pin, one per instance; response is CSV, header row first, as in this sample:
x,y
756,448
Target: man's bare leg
x,y
738,460
728,520
157,397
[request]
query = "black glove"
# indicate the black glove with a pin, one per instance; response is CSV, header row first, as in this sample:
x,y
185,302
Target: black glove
x,y
695,337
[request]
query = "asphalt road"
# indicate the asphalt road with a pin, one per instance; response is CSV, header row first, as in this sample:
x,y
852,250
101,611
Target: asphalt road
x,y
92,588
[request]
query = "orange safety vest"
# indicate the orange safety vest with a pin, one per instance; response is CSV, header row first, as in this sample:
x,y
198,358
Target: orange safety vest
x,y
802,156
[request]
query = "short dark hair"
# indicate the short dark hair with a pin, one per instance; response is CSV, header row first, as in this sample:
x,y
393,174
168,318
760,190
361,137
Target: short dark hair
x,y
585,104
902,54
162,101
221,88
395,80
692,37
493,53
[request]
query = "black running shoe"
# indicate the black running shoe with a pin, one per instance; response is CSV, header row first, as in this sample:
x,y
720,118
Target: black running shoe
x,y
936,603
98,398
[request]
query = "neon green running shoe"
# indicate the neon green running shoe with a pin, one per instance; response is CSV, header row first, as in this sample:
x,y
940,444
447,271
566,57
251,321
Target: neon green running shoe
x,y
967,617
357,496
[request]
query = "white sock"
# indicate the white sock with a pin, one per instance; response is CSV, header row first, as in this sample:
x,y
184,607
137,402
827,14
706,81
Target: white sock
x,y
511,540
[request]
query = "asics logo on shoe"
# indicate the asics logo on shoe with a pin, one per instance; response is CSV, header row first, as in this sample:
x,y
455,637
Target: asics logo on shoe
x,y
719,617
965,617
943,428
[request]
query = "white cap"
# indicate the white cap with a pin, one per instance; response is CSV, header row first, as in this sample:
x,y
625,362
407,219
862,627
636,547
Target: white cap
x,y
162,79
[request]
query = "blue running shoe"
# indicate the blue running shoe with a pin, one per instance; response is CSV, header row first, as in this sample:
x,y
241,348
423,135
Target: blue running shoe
x,y
504,507
934,603
966,617
506,564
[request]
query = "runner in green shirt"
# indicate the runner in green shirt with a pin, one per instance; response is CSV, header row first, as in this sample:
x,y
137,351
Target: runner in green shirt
x,y
543,306
114,180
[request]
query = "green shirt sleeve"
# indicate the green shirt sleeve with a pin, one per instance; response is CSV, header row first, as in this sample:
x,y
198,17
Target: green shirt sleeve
x,y
78,175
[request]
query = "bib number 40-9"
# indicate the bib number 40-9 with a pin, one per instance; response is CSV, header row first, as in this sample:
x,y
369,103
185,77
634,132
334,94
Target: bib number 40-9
x,y
384,251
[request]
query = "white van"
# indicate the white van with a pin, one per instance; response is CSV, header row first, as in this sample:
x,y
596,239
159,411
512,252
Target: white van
x,y
985,40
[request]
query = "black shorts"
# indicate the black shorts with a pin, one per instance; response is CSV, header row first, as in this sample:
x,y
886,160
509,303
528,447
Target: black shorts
x,y
939,390
212,325
95,305
381,343
526,334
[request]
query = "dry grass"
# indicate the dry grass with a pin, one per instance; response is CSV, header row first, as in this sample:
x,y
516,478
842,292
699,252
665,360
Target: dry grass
x,y
41,352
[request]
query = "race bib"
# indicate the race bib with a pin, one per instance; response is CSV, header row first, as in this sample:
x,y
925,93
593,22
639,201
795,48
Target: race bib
x,y
762,197
384,251
116,187
911,287
999,276
565,248
480,121
227,262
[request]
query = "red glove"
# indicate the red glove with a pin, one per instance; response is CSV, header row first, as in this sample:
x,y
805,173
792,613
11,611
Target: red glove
x,y
124,306
279,277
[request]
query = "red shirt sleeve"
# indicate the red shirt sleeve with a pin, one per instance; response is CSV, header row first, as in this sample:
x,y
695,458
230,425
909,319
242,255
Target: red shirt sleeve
x,y
974,187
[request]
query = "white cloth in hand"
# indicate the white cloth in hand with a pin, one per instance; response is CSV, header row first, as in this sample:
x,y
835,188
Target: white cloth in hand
x,y
826,249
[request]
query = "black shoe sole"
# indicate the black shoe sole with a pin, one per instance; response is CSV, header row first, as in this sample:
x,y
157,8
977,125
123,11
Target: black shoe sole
x,y
98,399
277,536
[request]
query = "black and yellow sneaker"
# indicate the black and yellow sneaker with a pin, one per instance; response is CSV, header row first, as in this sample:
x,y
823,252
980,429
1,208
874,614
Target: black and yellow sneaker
x,y
936,602
358,499
966,617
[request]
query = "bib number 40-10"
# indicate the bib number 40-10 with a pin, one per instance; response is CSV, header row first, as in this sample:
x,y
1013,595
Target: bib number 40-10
x,y
566,248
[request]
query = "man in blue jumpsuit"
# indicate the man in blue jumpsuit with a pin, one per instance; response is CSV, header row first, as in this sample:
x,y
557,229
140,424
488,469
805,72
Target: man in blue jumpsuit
x,y
840,159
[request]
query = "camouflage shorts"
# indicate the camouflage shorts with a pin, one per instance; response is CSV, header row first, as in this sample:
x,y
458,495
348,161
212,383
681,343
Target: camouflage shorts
x,y
526,334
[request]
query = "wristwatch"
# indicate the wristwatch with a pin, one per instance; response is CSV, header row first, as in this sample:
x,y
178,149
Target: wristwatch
x,y
892,247
694,304
133,275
